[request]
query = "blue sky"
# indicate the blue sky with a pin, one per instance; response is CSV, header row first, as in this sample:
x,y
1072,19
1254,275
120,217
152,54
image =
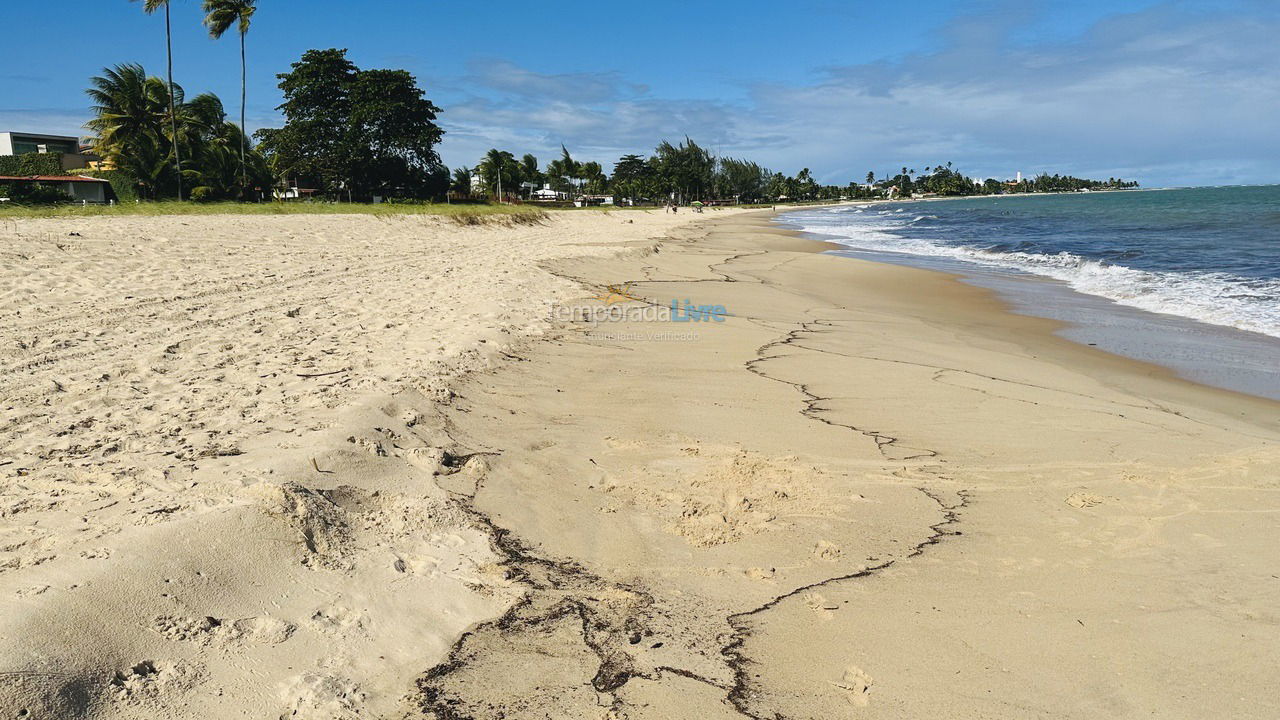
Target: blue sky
x,y
1169,92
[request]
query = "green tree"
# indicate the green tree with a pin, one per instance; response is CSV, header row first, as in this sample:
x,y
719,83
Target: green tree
x,y
564,172
686,170
806,187
313,146
149,7
529,169
130,114
632,177
220,16
776,186
741,179
499,172
461,182
214,150
394,135
593,178
356,132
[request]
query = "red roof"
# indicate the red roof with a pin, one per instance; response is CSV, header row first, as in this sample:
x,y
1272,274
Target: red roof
x,y
52,178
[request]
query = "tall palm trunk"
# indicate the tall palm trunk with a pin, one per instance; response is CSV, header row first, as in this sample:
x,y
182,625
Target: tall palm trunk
x,y
244,177
173,115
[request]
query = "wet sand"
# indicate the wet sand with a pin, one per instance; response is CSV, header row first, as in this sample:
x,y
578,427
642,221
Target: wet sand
x,y
870,492
385,482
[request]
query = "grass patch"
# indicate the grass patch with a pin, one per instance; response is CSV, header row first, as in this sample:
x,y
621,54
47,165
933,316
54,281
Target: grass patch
x,y
462,214
523,216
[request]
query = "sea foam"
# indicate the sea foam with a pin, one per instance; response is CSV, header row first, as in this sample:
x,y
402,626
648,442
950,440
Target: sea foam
x,y
1213,297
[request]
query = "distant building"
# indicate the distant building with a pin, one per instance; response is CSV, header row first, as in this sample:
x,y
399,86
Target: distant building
x,y
590,200
546,194
78,188
294,193
14,143
21,143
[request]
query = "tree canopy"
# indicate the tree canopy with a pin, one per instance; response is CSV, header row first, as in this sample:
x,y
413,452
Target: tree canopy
x,y
355,133
133,133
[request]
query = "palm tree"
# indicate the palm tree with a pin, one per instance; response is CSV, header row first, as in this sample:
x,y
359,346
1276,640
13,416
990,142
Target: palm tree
x,y
220,16
213,142
130,109
131,126
150,6
564,171
461,182
495,165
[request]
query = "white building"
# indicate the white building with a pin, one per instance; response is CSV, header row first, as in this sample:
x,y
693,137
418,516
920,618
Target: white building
x,y
21,143
14,143
78,188
546,194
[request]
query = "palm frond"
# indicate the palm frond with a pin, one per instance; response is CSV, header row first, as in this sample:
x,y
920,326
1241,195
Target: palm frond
x,y
150,6
220,15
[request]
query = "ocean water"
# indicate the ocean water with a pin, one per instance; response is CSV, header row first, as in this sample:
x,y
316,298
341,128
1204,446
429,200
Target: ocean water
x,y
1189,278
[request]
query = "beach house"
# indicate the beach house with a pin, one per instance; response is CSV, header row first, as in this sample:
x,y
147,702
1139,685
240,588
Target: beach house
x,y
68,146
546,194
15,143
76,187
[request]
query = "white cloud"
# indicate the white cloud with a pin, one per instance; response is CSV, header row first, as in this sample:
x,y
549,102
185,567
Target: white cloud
x,y
1169,94
51,121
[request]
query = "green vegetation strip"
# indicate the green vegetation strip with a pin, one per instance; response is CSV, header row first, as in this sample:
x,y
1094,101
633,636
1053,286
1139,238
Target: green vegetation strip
x,y
463,214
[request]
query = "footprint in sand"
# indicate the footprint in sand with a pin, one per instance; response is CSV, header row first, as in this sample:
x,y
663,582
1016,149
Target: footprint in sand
x,y
857,686
207,630
827,550
335,619
820,605
1084,500
426,458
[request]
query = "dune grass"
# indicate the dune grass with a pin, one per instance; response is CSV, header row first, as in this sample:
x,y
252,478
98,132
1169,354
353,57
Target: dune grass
x,y
465,214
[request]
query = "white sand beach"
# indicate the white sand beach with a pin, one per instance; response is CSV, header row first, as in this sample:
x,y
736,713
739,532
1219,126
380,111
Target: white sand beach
x,y
217,453
342,467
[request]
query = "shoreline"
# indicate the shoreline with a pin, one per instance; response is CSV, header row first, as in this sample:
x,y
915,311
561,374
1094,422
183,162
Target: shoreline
x,y
1045,328
709,535
839,499
1191,349
1213,345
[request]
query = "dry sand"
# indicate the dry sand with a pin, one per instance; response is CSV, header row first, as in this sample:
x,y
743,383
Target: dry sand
x,y
217,448
315,468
